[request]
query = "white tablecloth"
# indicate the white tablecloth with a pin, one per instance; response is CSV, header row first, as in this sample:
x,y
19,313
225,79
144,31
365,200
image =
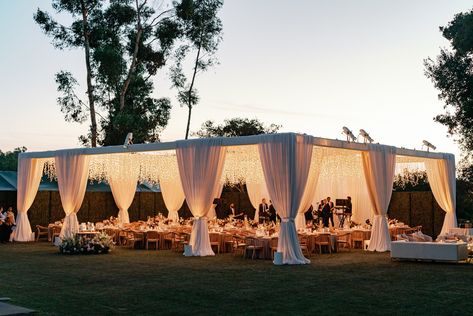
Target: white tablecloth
x,y
461,231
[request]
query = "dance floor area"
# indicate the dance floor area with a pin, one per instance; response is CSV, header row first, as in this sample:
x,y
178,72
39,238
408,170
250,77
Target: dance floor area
x,y
126,281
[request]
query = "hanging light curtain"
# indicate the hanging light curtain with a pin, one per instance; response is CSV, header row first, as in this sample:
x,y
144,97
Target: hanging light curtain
x,y
309,191
441,175
123,178
72,172
286,159
173,196
200,167
30,171
256,192
379,163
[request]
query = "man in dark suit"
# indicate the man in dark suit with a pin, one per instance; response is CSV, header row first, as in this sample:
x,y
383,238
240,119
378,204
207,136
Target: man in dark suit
x,y
330,203
272,212
263,210
325,213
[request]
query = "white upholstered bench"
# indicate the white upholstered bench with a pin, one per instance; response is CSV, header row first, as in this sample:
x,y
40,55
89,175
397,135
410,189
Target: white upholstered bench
x,y
434,251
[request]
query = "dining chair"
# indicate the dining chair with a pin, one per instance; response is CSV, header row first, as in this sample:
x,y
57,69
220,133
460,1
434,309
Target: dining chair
x,y
252,246
357,238
323,240
42,231
215,240
152,237
344,240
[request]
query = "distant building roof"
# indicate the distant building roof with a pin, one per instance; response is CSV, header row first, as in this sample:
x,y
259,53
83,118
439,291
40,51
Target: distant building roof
x,y
8,182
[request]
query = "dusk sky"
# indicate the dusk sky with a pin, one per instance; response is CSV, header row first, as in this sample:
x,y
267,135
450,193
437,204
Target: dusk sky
x,y
310,66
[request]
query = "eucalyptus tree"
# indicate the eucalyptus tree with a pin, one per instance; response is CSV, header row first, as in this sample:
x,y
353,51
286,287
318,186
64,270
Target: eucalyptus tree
x,y
201,34
125,43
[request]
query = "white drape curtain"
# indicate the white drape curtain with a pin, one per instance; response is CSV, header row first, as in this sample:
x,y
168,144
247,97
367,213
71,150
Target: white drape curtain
x,y
72,173
441,175
123,191
309,192
173,196
379,163
256,192
218,193
200,165
30,171
285,159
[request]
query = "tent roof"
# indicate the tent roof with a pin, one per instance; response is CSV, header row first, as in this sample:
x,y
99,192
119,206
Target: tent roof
x,y
8,182
227,141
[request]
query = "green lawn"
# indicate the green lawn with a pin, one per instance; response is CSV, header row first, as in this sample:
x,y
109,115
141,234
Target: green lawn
x,y
146,282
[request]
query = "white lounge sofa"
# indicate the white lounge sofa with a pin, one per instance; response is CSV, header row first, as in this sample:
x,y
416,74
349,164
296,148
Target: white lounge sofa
x,y
434,251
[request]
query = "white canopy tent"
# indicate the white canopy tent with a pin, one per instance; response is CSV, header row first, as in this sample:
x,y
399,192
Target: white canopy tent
x,y
295,170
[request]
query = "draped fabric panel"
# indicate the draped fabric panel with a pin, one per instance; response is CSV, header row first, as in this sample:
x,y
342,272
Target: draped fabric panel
x,y
72,173
286,159
30,171
200,165
218,193
309,192
123,191
442,180
256,192
378,166
173,196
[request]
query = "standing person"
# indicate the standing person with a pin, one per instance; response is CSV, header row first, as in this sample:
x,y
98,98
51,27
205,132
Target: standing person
x,y
262,210
325,213
2,215
330,203
348,209
272,212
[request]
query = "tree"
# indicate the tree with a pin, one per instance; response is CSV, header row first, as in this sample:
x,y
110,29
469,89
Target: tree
x,y
9,159
452,75
74,36
235,127
201,29
125,43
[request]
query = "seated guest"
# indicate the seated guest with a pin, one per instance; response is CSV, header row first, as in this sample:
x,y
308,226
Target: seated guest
x,y
3,216
6,229
11,214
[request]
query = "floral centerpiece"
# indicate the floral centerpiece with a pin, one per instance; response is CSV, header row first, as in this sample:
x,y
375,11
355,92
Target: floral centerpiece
x,y
98,244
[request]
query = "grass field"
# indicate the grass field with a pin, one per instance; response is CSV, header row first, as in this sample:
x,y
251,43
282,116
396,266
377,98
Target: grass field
x,y
142,282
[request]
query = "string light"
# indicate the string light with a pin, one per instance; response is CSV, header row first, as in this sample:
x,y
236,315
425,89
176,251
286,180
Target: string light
x,y
242,163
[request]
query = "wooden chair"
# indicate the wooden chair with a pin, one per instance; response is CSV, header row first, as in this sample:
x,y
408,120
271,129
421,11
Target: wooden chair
x,y
323,240
135,237
152,236
42,231
304,243
56,232
344,240
252,246
357,236
273,243
112,233
169,240
239,245
215,240
181,240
